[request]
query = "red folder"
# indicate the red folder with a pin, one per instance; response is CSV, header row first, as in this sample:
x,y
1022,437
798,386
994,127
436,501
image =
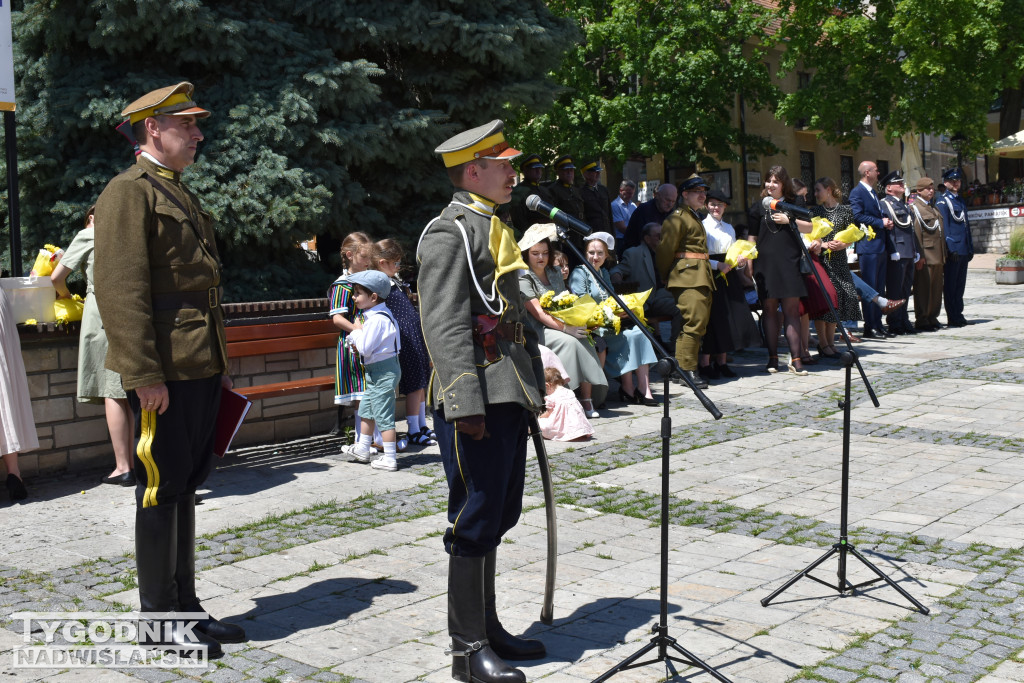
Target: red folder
x,y
233,409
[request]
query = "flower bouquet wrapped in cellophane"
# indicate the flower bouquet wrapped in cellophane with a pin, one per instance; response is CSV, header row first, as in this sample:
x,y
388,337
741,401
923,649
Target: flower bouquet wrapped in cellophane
x,y
48,257
852,234
820,228
740,249
69,310
604,320
569,308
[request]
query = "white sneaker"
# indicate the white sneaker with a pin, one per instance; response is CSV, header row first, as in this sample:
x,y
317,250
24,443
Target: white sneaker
x,y
358,452
385,463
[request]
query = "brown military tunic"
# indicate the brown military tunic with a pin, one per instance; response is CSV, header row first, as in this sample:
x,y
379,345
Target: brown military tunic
x,y
931,238
597,207
682,263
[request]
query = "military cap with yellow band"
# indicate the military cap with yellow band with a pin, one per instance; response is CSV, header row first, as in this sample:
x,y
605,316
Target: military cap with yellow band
x,y
483,142
591,166
530,161
564,161
174,100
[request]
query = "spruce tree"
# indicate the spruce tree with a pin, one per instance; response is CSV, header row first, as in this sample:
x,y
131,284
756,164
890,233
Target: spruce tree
x,y
325,114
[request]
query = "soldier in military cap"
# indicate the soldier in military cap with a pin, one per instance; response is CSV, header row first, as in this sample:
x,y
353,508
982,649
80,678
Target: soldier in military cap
x,y
904,251
597,203
932,240
158,284
960,246
487,377
563,193
682,262
532,169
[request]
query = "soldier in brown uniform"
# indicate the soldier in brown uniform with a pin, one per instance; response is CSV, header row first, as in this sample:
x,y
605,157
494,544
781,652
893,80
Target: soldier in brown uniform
x,y
597,203
486,379
157,284
562,193
932,240
682,262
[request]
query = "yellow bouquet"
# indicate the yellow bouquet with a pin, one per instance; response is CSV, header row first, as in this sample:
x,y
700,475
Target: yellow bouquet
x,y
46,259
820,228
569,308
68,310
740,249
854,234
604,318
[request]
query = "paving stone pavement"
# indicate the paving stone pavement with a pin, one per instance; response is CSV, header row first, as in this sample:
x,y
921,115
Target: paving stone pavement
x,y
336,571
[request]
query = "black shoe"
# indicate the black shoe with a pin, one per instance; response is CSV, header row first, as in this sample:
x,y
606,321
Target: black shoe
x,y
708,372
869,333
123,479
16,488
473,659
172,635
888,334
725,371
626,398
697,380
504,644
643,400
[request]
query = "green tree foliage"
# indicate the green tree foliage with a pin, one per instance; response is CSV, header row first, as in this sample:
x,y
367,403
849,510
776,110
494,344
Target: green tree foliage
x,y
656,76
919,66
325,113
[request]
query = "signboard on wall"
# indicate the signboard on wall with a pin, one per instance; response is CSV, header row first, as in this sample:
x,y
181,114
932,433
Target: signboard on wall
x,y
6,58
1001,212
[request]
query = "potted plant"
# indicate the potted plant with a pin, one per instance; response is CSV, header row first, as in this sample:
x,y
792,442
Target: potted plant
x,y
1010,268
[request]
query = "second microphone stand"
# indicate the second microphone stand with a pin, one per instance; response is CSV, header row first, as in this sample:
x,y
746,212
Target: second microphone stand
x,y
842,547
667,648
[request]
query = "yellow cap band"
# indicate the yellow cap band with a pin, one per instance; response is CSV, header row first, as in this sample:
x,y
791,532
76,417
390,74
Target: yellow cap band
x,y
489,145
177,98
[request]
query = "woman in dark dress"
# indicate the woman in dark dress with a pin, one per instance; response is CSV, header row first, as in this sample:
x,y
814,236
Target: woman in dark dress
x,y
777,269
830,206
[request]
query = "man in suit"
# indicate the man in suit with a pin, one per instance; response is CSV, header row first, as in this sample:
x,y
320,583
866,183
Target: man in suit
x,y
959,244
637,265
487,376
900,269
654,210
932,240
873,253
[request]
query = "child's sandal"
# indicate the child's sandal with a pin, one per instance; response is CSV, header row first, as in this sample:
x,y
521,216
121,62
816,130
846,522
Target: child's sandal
x,y
422,438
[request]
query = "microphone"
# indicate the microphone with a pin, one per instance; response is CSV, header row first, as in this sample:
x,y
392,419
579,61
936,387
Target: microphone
x,y
770,204
535,203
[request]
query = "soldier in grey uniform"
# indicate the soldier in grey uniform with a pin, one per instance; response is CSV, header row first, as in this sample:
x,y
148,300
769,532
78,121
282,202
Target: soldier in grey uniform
x,y
532,169
487,377
157,285
597,203
900,271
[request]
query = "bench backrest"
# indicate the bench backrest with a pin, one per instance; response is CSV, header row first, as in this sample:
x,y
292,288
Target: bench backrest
x,y
256,340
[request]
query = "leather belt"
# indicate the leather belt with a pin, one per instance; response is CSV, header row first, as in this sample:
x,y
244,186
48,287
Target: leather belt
x,y
692,254
487,329
512,332
207,299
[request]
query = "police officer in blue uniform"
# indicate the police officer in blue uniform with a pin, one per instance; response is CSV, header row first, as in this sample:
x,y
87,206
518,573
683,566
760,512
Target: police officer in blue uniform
x,y
900,270
961,248
487,377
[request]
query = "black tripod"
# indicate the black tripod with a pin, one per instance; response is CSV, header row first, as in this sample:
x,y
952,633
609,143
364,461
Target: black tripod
x,y
842,547
667,365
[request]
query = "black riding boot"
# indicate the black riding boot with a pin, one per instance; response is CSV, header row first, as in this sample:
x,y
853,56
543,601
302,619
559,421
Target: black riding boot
x,y
156,541
473,660
504,644
185,576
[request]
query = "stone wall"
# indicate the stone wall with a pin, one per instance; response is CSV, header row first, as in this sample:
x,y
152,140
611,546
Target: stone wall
x,y
991,227
73,436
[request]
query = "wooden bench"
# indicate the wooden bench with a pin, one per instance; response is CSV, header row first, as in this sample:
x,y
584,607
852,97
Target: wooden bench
x,y
261,339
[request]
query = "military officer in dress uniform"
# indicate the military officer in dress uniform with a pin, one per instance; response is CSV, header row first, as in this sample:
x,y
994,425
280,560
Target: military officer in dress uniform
x,y
900,270
932,241
597,203
562,193
960,246
158,284
682,262
532,169
487,377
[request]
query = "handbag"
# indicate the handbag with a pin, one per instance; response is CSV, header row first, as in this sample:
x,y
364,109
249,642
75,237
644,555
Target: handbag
x,y
815,304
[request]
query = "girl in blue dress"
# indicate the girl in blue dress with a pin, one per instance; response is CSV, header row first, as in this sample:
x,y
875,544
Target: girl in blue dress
x,y
629,351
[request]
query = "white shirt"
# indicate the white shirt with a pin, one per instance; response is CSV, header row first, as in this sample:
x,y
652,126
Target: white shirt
x,y
378,338
721,236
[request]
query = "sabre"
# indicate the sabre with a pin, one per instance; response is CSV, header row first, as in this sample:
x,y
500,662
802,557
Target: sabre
x,y
547,610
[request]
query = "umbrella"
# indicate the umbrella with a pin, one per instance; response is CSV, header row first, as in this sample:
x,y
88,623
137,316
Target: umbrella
x,y
1011,147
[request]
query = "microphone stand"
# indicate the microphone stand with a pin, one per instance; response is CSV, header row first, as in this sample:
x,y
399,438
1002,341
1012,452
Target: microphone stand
x,y
842,547
666,366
